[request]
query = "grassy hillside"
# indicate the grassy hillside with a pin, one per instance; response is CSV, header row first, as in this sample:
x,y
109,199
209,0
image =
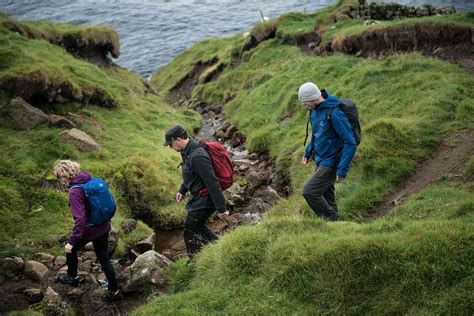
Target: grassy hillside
x,y
418,260
131,157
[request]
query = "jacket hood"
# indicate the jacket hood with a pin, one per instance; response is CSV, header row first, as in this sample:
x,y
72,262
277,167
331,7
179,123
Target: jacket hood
x,y
81,178
331,101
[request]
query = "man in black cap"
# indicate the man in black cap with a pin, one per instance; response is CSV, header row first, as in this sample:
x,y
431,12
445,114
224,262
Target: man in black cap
x,y
198,174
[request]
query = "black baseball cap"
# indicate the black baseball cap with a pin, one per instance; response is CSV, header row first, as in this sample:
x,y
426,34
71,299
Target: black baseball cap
x,y
174,132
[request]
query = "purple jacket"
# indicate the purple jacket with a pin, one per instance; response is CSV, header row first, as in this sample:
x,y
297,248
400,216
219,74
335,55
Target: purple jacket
x,y
79,210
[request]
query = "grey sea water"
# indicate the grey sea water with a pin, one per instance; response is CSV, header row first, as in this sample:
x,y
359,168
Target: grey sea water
x,y
153,32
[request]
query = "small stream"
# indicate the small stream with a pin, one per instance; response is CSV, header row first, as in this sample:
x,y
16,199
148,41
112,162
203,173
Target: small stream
x,y
257,187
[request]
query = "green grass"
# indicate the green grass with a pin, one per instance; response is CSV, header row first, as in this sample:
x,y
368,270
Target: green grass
x,y
295,264
353,27
418,260
132,132
56,32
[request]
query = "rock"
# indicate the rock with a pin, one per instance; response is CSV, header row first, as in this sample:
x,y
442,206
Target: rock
x,y
89,246
89,278
230,131
60,121
219,134
237,139
33,295
88,255
35,270
257,178
312,45
146,244
13,266
76,118
243,168
75,294
80,139
113,239
59,262
128,225
86,266
25,115
270,195
225,126
46,259
146,270
51,297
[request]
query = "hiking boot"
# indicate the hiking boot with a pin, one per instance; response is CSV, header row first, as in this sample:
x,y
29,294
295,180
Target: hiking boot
x,y
67,279
113,296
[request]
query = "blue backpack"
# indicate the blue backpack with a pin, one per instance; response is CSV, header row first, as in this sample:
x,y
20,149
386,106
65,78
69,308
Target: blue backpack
x,y
100,199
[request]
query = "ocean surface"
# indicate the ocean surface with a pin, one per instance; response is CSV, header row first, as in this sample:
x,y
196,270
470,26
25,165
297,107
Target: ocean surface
x,y
153,32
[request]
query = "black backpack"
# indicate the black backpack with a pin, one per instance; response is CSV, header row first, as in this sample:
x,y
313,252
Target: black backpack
x,y
350,110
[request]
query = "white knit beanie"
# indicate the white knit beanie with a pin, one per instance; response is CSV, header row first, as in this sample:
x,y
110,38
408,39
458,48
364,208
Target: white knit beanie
x,y
308,92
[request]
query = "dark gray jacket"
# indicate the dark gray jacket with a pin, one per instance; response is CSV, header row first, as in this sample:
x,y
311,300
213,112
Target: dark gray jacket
x,y
198,174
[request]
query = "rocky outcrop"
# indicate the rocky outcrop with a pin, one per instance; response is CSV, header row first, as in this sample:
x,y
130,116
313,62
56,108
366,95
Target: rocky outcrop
x,y
147,270
34,295
447,42
80,139
91,43
390,11
40,89
25,115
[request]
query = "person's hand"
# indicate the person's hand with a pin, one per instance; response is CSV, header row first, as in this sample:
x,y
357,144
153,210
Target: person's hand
x,y
223,215
339,179
68,248
179,197
305,161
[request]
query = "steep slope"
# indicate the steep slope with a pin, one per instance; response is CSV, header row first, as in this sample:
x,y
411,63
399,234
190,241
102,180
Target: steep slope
x,y
414,261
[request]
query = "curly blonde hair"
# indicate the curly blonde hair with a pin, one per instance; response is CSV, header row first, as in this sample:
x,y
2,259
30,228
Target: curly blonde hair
x,y
64,171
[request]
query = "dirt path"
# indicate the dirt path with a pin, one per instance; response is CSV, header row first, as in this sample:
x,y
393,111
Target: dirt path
x,y
447,160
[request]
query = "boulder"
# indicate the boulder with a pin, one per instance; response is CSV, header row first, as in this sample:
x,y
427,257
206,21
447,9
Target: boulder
x,y
51,297
75,294
270,196
257,178
46,259
80,139
76,118
230,131
35,270
128,225
146,244
25,115
33,295
13,266
146,270
60,121
59,262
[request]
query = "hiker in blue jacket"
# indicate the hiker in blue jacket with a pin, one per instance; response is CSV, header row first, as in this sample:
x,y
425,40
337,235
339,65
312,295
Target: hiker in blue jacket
x,y
332,145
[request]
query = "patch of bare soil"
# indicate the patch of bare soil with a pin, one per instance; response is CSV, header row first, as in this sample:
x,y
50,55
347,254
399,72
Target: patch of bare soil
x,y
447,42
448,160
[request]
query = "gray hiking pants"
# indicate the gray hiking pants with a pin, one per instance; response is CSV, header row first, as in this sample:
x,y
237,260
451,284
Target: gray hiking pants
x,y
320,194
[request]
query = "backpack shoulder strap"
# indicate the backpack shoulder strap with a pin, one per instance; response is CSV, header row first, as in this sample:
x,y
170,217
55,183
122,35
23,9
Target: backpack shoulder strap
x,y
328,115
307,128
75,186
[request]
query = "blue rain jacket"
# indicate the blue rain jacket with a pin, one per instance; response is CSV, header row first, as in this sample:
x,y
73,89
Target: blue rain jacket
x,y
329,144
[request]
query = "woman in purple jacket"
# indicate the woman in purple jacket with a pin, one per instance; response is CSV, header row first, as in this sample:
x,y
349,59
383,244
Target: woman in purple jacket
x,y
68,174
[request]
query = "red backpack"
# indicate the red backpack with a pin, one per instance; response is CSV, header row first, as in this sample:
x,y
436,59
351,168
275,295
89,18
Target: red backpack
x,y
222,165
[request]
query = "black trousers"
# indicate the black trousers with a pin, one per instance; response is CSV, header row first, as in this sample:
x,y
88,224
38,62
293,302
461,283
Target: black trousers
x,y
196,233
101,251
320,194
